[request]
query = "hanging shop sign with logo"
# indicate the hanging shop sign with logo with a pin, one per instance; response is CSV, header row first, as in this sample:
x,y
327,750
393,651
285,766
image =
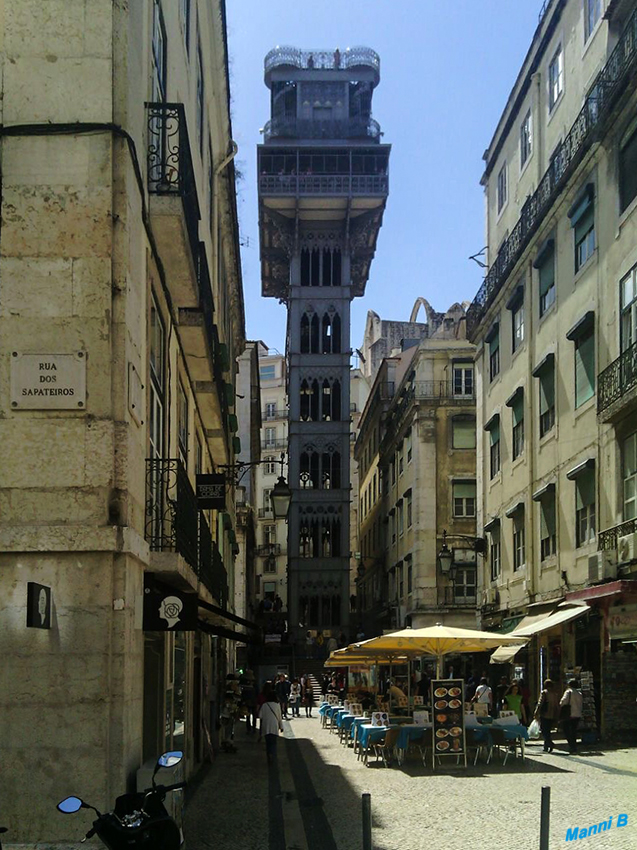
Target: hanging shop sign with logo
x,y
211,491
48,381
622,622
168,610
38,606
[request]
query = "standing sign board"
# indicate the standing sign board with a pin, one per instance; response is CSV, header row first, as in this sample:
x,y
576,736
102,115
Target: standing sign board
x,y
448,729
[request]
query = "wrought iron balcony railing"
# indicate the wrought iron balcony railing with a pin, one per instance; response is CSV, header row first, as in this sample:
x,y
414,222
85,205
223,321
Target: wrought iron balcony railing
x,y
352,57
608,538
265,512
267,445
323,184
169,162
589,127
617,379
171,509
307,128
267,549
443,390
212,572
274,414
461,596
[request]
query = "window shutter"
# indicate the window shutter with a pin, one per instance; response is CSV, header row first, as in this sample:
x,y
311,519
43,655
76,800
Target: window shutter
x,y
464,490
495,433
628,172
584,223
584,367
464,434
547,516
585,489
547,274
517,409
547,390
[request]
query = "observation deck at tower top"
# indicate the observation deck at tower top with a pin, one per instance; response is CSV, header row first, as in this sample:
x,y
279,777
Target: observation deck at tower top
x,y
361,59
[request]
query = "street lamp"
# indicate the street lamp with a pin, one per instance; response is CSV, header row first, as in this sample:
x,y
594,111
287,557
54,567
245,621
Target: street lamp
x,y
445,556
280,498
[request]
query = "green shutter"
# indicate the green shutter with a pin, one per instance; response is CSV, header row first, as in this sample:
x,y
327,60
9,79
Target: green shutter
x,y
517,409
464,490
233,422
585,489
229,391
547,516
584,223
224,357
464,434
495,434
236,445
547,390
584,367
547,274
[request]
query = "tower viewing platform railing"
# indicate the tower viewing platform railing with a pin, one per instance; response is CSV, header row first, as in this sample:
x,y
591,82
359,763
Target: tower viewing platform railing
x,y
323,184
336,129
351,57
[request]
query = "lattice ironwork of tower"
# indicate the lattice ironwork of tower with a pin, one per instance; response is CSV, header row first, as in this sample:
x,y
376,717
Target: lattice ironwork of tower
x,y
323,185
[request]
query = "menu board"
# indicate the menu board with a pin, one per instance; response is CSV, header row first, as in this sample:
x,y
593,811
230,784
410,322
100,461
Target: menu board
x,y
447,700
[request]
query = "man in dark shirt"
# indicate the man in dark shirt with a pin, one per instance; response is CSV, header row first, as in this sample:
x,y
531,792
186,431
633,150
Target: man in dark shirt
x,y
282,689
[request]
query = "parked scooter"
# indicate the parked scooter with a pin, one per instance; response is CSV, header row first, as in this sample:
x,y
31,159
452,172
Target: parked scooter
x,y
140,820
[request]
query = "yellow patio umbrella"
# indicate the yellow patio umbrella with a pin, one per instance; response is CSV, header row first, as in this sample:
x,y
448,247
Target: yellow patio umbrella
x,y
435,640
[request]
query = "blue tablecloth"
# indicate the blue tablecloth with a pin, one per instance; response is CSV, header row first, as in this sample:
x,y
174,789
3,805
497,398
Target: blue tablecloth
x,y
511,730
357,722
369,734
408,734
341,717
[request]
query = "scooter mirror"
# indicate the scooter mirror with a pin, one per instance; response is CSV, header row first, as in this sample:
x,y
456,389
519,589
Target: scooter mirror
x,y
70,805
170,759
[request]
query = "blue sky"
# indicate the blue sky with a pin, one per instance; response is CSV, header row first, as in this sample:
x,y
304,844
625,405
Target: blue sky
x,y
446,71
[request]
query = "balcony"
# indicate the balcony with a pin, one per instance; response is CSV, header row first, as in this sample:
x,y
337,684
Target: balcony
x,y
322,60
442,391
173,204
608,538
456,597
171,510
268,549
591,124
268,414
334,130
617,385
212,572
274,444
265,513
332,185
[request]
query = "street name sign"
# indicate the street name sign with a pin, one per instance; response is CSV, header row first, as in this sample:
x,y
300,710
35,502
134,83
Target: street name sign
x,y
48,381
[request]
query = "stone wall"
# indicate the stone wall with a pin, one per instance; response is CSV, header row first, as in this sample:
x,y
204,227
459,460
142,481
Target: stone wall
x,y
619,693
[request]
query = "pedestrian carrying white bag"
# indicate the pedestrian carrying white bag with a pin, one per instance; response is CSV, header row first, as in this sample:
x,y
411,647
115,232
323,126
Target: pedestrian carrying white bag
x,y
534,730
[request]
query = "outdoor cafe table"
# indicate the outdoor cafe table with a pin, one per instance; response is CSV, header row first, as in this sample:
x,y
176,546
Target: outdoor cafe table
x,y
369,735
514,732
409,734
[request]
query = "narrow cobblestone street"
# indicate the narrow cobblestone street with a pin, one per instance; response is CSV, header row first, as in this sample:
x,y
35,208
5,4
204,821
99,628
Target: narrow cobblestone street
x,y
313,800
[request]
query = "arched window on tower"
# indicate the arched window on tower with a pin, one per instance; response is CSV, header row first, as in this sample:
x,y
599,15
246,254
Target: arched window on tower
x,y
315,268
331,333
331,401
314,334
309,470
331,471
309,402
305,334
305,267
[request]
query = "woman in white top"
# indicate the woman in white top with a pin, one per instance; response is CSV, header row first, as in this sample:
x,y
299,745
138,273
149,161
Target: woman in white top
x,y
571,706
295,698
271,723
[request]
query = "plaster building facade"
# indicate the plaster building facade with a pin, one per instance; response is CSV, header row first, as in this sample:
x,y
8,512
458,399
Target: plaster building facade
x,y
418,486
121,316
272,548
323,185
554,328
383,336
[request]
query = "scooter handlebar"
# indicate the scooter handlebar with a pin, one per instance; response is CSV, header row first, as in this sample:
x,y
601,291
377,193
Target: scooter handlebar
x,y
176,787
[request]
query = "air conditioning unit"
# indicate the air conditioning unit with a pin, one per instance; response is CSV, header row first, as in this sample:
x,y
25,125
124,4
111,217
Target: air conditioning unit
x,y
464,556
627,548
601,566
489,596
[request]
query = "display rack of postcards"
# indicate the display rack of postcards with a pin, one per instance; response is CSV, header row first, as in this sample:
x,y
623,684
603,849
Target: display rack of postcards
x,y
589,712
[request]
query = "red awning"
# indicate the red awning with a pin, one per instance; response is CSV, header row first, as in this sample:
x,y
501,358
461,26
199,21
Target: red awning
x,y
612,588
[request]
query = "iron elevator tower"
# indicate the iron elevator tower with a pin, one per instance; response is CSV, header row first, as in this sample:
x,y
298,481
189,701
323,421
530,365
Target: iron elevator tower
x,y
323,185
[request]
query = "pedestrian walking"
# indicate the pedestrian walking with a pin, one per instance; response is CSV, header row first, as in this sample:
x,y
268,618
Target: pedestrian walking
x,y
309,644
325,685
271,723
294,698
320,643
513,701
483,694
308,697
547,712
332,645
282,690
571,706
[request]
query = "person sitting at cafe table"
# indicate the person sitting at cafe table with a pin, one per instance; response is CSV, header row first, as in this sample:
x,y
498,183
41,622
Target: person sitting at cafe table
x,y
513,701
394,691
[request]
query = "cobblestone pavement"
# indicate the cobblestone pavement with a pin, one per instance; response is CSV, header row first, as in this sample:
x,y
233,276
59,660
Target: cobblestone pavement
x,y
312,800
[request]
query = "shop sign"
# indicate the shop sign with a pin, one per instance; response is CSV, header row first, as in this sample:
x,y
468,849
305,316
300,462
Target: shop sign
x,y
169,610
622,622
211,491
38,606
48,381
448,729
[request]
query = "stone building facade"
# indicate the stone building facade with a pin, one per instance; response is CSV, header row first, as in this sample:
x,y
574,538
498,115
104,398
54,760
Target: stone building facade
x,y
121,316
554,326
323,185
416,451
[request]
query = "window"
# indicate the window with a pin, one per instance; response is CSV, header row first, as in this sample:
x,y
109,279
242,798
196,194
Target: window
x,y
269,564
592,13
494,555
270,465
267,373
464,584
184,15
464,499
585,507
198,456
556,77
410,576
545,264
267,504
517,322
393,470
546,375
408,445
464,432
526,139
401,518
628,300
582,217
401,460
517,419
392,525
519,554
270,410
409,508
493,341
158,58
629,475
157,348
463,380
182,423
502,187
628,171
399,578
547,525
200,98
585,366
270,438
494,449
269,534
